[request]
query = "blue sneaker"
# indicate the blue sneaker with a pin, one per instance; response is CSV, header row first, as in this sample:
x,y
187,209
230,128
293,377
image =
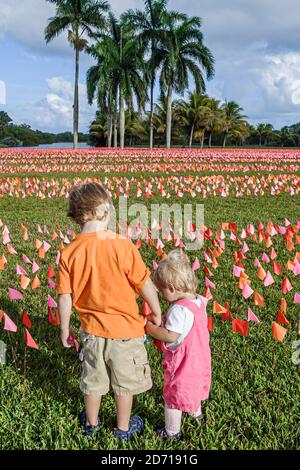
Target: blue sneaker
x,y
88,430
136,427
164,435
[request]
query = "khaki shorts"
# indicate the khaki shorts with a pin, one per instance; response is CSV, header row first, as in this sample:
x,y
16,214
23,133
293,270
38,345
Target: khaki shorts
x,y
120,365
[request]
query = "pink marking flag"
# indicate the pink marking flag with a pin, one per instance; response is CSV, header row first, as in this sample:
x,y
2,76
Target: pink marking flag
x,y
26,260
159,244
296,269
268,279
51,302
46,246
35,267
14,294
247,291
196,264
30,341
252,316
53,318
21,271
236,271
209,283
9,324
256,263
265,258
245,248
5,239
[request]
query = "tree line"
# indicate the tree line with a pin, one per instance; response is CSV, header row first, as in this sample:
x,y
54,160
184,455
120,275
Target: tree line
x,y
13,135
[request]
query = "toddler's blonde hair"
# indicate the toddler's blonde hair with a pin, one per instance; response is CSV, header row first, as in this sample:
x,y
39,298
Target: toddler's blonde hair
x,y
176,271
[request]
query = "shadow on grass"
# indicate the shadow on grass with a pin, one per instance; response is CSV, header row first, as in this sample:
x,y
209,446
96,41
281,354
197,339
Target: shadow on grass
x,y
53,372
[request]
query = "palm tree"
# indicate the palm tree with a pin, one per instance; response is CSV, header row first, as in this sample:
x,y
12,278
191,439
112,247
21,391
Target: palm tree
x,y
80,18
150,27
160,116
120,59
181,51
264,131
98,130
193,115
232,118
214,117
240,132
101,81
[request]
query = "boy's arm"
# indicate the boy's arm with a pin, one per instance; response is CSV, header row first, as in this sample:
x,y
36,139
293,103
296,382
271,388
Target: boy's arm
x,y
65,311
162,334
149,293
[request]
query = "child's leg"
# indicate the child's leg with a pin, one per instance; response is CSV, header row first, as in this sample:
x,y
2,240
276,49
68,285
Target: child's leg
x,y
197,413
124,405
172,421
92,405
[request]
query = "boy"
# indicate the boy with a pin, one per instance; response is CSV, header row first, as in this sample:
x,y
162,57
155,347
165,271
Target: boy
x,y
99,274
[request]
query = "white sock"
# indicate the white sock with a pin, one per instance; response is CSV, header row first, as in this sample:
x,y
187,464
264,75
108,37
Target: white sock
x,y
197,413
172,420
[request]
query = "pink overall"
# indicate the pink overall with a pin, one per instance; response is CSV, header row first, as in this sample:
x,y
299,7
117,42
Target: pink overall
x,y
187,375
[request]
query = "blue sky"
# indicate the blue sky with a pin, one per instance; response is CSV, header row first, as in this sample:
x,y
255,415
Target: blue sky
x,y
255,44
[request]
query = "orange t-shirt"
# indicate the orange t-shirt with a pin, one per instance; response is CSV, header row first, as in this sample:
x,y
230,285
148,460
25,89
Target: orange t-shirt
x,y
102,271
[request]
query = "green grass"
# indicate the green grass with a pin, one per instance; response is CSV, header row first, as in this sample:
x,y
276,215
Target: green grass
x,y
254,401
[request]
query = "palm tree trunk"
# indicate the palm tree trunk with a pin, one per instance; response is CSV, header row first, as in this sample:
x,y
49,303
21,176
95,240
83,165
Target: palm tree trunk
x,y
110,108
224,141
151,112
202,139
110,128
116,125
76,100
191,136
122,121
169,117
209,140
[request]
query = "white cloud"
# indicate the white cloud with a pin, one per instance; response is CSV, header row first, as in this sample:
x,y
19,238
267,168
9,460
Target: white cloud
x,y
25,21
61,86
280,81
255,44
54,112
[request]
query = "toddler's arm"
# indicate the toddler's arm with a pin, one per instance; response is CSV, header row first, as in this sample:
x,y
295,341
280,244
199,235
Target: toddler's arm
x,y
162,334
65,311
149,293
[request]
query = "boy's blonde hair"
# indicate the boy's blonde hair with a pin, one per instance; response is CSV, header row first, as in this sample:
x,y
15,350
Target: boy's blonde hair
x,y
176,271
84,202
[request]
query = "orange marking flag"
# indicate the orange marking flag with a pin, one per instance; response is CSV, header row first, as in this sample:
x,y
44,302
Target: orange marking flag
x,y
278,332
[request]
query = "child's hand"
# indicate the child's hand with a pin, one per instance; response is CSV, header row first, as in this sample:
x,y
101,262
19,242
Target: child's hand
x,y
65,338
154,319
149,327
